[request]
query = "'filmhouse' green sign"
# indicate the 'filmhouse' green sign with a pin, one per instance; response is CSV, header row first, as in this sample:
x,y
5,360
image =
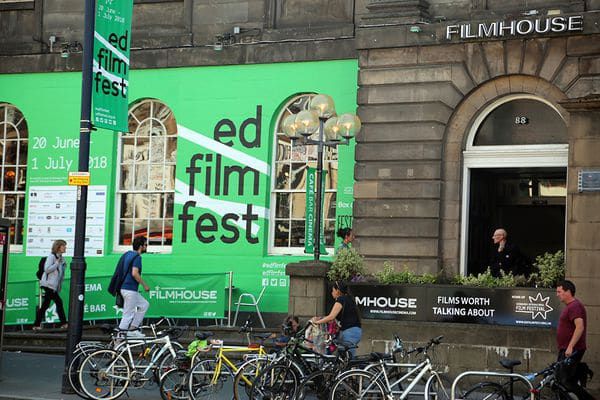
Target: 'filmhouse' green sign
x,y
111,63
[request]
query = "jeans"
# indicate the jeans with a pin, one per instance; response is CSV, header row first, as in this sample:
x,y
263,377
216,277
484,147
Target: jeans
x,y
567,375
134,309
352,335
50,295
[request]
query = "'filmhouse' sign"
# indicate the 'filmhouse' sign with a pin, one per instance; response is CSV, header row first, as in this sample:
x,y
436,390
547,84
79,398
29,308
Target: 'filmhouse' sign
x,y
529,307
522,27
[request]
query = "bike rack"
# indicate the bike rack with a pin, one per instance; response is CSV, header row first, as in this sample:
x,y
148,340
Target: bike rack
x,y
496,374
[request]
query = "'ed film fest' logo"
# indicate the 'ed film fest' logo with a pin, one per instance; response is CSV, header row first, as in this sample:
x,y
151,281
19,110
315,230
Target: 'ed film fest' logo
x,y
535,306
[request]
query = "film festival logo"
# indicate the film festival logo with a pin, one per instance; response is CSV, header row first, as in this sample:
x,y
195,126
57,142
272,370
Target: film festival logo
x,y
535,306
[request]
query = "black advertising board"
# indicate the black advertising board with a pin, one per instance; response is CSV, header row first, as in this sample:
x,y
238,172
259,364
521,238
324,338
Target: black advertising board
x,y
528,307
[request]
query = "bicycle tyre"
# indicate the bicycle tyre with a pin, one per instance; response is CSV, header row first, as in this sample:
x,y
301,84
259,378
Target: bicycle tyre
x,y
73,370
277,381
245,375
357,384
104,375
174,385
315,385
438,387
486,391
201,382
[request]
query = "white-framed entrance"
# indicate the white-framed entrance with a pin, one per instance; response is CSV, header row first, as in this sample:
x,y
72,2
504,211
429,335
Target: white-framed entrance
x,y
501,157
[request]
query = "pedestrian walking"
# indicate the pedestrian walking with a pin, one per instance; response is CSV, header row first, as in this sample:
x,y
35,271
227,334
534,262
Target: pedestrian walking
x,y
134,305
51,283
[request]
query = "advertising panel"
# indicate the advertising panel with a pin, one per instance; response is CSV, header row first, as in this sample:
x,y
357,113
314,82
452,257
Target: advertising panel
x,y
222,152
529,307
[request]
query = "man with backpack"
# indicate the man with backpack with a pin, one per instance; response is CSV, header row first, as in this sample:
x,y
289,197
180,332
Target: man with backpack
x,y
134,305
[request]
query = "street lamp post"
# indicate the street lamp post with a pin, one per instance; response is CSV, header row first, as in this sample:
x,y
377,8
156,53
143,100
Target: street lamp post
x,y
321,117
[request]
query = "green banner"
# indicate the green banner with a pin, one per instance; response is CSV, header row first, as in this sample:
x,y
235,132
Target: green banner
x,y
186,296
21,302
110,83
309,234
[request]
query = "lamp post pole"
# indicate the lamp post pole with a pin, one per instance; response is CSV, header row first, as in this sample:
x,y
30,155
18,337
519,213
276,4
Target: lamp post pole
x,y
319,196
320,117
78,264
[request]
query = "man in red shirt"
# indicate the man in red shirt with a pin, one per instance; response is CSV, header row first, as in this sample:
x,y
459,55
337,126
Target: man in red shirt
x,y
570,337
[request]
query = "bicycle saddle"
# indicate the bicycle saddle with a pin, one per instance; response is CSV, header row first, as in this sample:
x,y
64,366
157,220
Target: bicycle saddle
x,y
376,356
509,364
203,335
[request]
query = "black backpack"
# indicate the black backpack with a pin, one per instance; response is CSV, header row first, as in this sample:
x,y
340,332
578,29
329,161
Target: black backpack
x,y
41,265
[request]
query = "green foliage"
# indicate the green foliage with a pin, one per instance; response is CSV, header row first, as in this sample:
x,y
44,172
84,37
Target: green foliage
x,y
389,276
347,266
550,269
486,279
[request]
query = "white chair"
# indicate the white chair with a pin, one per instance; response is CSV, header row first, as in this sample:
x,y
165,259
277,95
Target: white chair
x,y
248,300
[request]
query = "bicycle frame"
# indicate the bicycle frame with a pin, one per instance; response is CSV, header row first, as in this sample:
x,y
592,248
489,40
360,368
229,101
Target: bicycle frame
x,y
222,358
127,346
420,370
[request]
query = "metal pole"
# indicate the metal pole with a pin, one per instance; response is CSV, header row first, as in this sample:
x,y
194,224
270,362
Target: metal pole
x,y
78,264
319,195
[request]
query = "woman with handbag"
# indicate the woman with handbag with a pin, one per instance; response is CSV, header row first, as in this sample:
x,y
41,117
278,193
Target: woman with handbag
x,y
345,311
51,283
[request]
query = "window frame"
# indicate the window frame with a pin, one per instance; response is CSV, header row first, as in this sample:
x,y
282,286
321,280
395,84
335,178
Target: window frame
x,y
293,251
159,249
16,248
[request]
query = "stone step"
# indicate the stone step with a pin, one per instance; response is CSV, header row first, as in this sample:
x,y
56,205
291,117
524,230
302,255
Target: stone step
x,y
53,341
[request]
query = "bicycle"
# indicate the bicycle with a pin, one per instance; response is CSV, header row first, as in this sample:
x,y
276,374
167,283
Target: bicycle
x,y
207,377
282,378
106,374
85,348
505,390
375,383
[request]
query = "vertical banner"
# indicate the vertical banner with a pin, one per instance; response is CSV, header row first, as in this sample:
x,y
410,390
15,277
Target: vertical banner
x,y
309,235
112,37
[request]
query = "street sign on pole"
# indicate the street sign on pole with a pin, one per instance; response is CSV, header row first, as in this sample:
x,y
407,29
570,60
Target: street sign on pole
x,y
110,83
309,233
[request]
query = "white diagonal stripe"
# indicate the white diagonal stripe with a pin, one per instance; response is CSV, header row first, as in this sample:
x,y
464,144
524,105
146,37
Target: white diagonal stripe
x,y
109,76
220,207
222,149
111,47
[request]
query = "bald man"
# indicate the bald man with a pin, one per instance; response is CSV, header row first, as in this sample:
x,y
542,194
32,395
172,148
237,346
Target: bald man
x,y
506,255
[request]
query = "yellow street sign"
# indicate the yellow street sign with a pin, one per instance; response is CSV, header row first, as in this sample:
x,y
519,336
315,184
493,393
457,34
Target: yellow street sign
x,y
79,178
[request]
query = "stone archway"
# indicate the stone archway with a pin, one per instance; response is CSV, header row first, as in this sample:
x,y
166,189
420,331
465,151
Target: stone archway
x,y
455,142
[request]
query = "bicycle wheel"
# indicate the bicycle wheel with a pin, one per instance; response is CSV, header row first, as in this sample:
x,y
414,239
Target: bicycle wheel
x,y
245,376
73,371
174,385
438,387
315,386
104,374
203,383
277,381
164,365
357,385
486,391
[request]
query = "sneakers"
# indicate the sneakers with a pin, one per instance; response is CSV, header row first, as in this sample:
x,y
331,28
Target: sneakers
x,y
37,328
64,326
135,334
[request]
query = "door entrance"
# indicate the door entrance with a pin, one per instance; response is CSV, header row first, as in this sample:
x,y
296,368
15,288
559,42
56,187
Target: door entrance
x,y
529,203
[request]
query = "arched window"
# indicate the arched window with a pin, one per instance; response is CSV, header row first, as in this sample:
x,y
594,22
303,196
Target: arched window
x,y
13,139
146,175
288,195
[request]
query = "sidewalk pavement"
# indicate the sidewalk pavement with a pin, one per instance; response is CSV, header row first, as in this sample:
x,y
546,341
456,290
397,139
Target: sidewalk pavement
x,y
32,376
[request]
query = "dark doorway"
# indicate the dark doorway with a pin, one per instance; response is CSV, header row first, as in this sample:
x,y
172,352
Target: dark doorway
x,y
528,203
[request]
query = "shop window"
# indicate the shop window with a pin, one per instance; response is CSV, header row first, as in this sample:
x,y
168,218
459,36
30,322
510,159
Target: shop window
x,y
146,175
288,196
13,142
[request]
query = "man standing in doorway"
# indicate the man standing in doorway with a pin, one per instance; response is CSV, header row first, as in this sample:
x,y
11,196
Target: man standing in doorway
x,y
506,256
570,337
134,306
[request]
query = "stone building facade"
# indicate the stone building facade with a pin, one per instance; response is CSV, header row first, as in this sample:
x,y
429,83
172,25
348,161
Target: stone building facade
x,y
430,75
